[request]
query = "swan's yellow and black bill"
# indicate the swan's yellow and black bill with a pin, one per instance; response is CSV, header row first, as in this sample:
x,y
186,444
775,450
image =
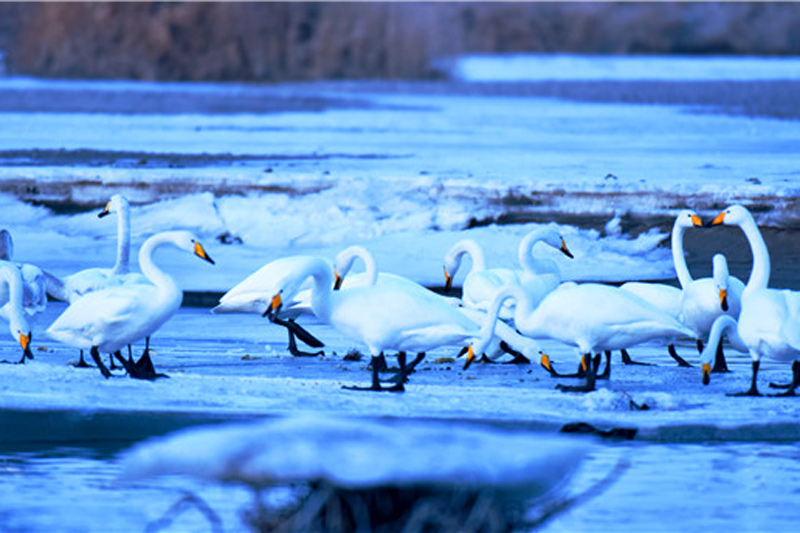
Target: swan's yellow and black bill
x,y
25,341
448,280
276,302
105,211
565,250
470,356
723,299
719,219
697,221
200,252
706,373
545,362
337,280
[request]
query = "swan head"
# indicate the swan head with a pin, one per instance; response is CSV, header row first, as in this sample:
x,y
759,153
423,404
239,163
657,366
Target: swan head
x,y
733,215
21,331
274,306
720,276
688,219
344,260
452,260
115,205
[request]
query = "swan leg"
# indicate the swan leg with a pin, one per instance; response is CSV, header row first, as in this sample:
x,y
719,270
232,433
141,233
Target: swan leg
x,y
518,359
626,359
417,360
376,382
296,352
81,362
144,369
111,364
96,356
590,378
720,365
789,386
674,354
753,390
606,374
127,365
130,350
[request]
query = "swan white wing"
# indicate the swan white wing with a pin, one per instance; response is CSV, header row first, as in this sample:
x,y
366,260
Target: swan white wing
x,y
91,320
480,288
665,297
34,289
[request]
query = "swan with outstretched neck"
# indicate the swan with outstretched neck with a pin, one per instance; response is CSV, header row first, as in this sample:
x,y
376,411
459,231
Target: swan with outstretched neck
x,y
11,301
537,277
383,316
592,317
107,319
769,321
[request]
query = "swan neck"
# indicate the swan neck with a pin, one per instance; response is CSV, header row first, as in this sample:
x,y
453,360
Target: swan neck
x,y
529,262
679,258
151,271
759,275
321,289
490,323
475,252
11,276
370,266
122,265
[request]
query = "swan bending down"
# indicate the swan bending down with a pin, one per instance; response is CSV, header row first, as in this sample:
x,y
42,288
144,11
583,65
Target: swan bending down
x,y
108,319
769,321
538,276
506,341
254,295
34,293
11,299
383,316
590,316
80,283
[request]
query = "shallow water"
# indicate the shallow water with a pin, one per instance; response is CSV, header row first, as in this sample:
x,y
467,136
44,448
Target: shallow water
x,y
675,487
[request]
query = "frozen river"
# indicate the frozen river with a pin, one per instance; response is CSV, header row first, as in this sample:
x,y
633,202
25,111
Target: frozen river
x,y
406,169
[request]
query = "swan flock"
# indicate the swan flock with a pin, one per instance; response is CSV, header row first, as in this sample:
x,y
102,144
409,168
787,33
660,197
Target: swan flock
x,y
501,311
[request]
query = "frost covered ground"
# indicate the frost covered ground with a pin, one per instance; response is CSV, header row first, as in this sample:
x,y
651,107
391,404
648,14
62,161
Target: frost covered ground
x,y
406,170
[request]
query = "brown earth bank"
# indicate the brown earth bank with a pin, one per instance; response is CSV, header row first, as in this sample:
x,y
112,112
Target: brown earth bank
x,y
310,41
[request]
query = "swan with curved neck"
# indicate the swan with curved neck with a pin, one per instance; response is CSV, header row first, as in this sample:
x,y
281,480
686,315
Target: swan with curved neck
x,y
506,340
11,299
592,317
34,284
108,319
769,318
91,279
381,316
538,276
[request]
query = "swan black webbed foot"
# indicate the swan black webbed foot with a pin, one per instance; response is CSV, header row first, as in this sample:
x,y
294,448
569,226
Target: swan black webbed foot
x,y
143,368
626,359
376,382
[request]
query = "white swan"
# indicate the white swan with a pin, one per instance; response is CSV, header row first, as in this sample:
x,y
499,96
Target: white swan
x,y
383,316
34,285
12,310
108,319
506,341
254,295
80,283
769,321
538,276
591,317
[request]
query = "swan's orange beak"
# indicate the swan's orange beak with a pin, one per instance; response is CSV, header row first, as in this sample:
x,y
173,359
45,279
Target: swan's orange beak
x,y
545,362
697,221
276,302
448,280
25,341
470,357
337,280
723,299
105,211
719,220
200,252
565,250
706,374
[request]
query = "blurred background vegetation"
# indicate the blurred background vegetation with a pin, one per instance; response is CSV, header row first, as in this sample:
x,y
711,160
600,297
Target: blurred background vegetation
x,y
311,41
